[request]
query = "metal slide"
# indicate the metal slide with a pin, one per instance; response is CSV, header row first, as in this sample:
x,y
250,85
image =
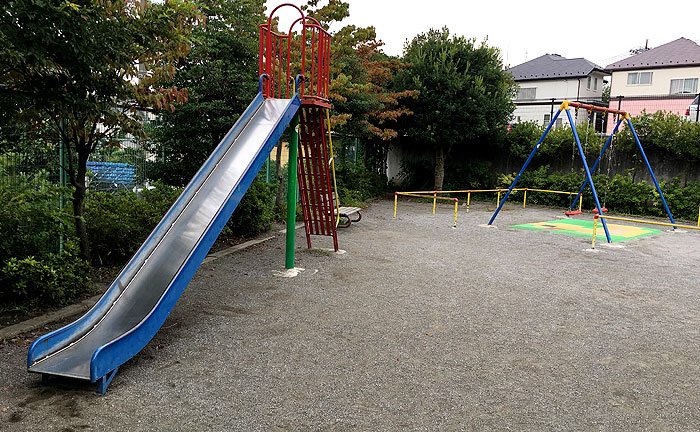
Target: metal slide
x,y
137,303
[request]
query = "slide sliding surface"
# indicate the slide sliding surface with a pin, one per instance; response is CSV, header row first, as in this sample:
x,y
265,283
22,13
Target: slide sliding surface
x,y
137,303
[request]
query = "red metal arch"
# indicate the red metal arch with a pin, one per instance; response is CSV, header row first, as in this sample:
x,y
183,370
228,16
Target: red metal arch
x,y
283,56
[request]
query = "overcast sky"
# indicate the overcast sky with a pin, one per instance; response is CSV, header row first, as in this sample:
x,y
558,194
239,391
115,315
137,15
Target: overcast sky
x,y
600,31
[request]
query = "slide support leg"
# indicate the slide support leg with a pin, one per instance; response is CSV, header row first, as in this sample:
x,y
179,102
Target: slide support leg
x,y
292,191
103,382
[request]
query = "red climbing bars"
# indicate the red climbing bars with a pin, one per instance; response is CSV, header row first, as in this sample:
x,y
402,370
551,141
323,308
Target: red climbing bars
x,y
304,50
284,56
315,184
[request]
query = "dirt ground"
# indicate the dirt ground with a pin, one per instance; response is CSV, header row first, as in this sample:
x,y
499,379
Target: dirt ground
x,y
417,326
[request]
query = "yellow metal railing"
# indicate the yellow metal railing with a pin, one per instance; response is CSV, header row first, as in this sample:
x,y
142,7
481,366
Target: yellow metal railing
x,y
580,201
434,197
469,193
595,224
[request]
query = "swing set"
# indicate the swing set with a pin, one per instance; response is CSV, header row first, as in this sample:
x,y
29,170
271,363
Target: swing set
x,y
619,116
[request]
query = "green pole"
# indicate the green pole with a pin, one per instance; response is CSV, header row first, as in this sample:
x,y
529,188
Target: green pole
x,y
292,191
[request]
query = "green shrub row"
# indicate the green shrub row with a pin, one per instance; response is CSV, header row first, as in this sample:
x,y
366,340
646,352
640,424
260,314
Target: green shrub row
x,y
33,272
357,185
54,279
620,193
668,133
256,212
119,223
559,142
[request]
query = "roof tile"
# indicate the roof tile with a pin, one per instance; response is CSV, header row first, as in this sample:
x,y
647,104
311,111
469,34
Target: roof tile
x,y
551,66
680,52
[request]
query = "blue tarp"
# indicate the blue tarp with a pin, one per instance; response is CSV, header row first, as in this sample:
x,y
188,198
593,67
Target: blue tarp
x,y
113,174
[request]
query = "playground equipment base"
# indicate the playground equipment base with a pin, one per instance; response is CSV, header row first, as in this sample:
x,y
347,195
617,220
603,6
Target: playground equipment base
x,y
584,229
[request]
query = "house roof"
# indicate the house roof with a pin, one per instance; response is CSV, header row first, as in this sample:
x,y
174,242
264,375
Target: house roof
x,y
680,52
553,66
113,173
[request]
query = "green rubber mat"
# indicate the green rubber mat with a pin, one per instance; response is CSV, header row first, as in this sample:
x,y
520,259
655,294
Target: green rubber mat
x,y
584,229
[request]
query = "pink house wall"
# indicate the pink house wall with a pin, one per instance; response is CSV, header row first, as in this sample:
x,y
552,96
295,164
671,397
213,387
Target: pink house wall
x,y
635,107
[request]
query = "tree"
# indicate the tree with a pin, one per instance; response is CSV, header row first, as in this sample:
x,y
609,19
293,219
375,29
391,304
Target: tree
x,y
365,105
81,71
465,95
220,75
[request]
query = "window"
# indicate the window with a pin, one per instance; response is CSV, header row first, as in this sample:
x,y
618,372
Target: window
x,y
560,122
639,78
527,93
588,86
684,85
547,119
595,84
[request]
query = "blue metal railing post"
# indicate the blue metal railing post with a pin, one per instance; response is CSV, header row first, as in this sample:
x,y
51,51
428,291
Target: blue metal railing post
x,y
527,162
595,165
653,177
588,173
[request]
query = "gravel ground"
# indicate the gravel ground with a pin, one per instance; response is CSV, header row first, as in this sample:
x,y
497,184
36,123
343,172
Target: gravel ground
x,y
417,326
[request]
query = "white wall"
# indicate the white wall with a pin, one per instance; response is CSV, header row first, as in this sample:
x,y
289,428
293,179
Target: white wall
x,y
558,89
571,88
399,154
660,82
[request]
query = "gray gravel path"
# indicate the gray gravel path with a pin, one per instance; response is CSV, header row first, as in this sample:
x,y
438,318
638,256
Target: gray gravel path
x,y
417,326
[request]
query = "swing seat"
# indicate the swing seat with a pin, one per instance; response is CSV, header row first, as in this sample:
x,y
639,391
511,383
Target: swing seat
x,y
573,212
596,210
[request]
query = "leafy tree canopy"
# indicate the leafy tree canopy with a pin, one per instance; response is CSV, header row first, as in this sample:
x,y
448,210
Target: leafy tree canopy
x,y
365,102
220,76
465,95
81,71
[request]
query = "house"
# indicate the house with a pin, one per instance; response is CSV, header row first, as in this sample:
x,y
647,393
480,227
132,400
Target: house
x,y
662,78
549,79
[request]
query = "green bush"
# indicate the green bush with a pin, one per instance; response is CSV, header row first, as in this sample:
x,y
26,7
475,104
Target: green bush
x,y
256,211
119,223
683,200
559,142
33,272
665,132
52,280
357,185
31,221
621,194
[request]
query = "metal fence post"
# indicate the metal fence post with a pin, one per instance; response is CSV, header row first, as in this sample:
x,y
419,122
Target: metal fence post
x,y
62,180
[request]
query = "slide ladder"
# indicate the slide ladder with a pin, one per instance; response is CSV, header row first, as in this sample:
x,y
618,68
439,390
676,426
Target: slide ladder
x,y
318,200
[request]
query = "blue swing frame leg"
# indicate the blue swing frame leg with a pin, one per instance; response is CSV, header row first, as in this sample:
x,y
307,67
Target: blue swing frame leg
x,y
595,165
527,162
103,382
588,174
651,172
